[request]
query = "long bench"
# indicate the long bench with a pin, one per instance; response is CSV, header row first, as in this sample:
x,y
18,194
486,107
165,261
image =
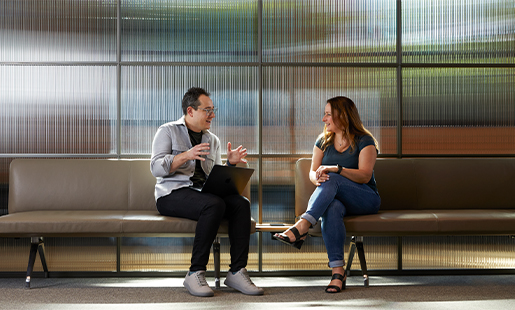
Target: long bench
x,y
89,198
428,196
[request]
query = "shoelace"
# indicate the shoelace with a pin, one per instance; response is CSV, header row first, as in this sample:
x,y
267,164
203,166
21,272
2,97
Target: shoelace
x,y
247,277
202,279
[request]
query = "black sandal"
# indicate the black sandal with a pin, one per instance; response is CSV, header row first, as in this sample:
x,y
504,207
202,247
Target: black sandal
x,y
337,288
285,239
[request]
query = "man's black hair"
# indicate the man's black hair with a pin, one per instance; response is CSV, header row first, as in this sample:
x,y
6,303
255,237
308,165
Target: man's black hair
x,y
190,98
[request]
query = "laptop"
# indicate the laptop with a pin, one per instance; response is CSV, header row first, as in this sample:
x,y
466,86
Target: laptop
x,y
227,180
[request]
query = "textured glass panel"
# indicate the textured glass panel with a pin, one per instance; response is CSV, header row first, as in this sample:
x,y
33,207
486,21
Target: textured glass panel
x,y
152,96
278,256
294,99
14,255
54,109
454,252
458,31
279,190
254,185
62,254
57,30
174,254
458,111
380,253
189,30
329,31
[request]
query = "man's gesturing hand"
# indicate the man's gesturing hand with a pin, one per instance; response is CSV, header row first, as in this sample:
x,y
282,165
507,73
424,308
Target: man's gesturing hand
x,y
197,152
236,156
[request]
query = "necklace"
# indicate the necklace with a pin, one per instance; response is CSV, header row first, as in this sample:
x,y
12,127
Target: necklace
x,y
341,142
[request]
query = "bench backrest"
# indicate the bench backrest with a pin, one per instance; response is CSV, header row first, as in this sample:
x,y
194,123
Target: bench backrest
x,y
82,184
68,184
431,183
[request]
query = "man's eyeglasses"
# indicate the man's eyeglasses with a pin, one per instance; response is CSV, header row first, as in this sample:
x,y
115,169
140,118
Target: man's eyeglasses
x,y
209,111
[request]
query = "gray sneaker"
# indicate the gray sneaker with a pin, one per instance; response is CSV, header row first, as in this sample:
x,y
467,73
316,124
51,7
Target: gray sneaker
x,y
197,285
242,282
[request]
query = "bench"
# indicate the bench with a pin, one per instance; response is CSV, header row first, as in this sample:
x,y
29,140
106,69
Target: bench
x,y
428,196
89,198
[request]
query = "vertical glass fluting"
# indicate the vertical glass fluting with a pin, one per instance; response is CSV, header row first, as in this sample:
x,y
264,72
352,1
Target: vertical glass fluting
x,y
294,99
189,30
329,31
62,254
57,109
152,96
57,30
467,31
454,252
458,111
174,254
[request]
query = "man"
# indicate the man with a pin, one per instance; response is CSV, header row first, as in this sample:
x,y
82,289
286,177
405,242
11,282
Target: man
x,y
183,153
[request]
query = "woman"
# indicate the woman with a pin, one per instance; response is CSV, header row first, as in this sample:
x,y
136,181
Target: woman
x,y
342,168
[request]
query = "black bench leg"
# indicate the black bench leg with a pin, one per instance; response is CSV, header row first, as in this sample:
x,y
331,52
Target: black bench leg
x,y
352,250
36,243
216,256
41,250
363,262
356,243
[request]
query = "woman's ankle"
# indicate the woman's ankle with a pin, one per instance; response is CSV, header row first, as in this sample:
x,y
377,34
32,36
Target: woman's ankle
x,y
303,226
339,270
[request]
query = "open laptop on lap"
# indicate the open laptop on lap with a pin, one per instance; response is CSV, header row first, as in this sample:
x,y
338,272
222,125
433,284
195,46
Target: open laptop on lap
x,y
227,180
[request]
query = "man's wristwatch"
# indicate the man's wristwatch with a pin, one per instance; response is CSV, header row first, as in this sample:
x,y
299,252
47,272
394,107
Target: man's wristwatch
x,y
339,168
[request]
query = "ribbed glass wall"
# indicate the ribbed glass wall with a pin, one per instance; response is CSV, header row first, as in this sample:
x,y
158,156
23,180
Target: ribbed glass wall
x,y
467,31
57,109
95,79
458,111
294,99
189,31
152,95
57,30
329,31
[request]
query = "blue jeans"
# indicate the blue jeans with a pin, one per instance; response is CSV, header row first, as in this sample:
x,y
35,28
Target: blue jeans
x,y
331,201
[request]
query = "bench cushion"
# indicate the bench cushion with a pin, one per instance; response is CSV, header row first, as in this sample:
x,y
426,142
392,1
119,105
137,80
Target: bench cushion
x,y
152,223
62,223
88,197
99,223
429,222
431,196
476,222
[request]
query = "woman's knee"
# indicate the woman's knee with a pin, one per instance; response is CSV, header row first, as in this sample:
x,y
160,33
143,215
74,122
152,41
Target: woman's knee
x,y
329,185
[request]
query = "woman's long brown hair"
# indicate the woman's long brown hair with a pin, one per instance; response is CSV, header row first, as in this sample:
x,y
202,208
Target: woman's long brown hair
x,y
346,116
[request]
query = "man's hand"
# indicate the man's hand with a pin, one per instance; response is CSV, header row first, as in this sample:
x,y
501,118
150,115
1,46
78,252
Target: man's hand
x,y
236,156
197,152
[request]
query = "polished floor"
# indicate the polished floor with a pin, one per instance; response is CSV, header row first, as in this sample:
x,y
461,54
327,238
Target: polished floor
x,y
393,292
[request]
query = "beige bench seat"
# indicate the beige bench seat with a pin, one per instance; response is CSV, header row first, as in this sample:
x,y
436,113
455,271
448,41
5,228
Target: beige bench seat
x,y
90,198
429,196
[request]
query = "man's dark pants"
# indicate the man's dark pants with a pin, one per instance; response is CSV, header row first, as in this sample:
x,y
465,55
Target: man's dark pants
x,y
209,210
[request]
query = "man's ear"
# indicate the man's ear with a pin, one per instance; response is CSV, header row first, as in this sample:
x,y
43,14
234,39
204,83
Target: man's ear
x,y
189,111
